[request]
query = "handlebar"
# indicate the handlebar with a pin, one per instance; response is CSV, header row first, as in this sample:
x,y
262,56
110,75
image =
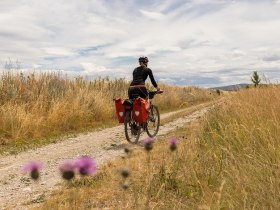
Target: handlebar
x,y
153,93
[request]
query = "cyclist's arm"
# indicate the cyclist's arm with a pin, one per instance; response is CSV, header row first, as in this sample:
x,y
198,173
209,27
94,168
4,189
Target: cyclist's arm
x,y
150,73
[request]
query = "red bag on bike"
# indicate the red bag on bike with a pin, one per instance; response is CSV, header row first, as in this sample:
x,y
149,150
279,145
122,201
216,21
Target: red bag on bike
x,y
140,110
120,109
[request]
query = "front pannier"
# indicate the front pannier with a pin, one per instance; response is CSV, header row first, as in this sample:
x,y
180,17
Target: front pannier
x,y
140,110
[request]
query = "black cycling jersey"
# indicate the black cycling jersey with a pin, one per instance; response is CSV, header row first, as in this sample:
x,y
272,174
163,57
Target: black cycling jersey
x,y
140,74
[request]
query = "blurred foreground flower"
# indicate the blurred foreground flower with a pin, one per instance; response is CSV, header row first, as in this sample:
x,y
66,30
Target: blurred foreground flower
x,y
86,165
173,143
127,150
33,168
125,172
125,185
67,169
148,143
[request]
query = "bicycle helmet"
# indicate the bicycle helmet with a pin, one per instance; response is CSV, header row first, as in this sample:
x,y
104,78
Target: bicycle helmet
x,y
143,59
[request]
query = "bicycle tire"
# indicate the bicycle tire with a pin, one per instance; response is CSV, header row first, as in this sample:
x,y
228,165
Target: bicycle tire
x,y
153,122
132,133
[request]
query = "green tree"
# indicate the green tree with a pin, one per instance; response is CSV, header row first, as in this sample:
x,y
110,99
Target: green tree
x,y
256,79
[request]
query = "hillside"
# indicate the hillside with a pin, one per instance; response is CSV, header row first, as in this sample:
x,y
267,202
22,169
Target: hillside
x,y
231,87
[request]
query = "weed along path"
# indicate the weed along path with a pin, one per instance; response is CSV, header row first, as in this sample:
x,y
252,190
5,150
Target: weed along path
x,y
19,192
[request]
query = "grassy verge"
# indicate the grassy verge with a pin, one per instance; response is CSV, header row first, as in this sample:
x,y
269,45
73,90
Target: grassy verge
x,y
228,160
23,145
189,110
20,146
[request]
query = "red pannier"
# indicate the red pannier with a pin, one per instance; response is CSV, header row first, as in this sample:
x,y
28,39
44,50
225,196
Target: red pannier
x,y
120,109
140,110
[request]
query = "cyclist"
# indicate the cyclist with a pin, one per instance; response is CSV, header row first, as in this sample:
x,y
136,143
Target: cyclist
x,y
140,74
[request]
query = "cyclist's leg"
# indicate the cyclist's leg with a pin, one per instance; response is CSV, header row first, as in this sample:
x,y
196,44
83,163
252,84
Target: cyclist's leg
x,y
130,93
143,92
133,92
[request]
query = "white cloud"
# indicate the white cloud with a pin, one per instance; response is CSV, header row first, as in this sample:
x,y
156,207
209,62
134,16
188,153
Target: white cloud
x,y
58,51
93,68
36,66
152,15
238,53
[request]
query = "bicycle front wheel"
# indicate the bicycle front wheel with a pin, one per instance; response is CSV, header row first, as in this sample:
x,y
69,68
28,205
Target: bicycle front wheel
x,y
153,122
131,129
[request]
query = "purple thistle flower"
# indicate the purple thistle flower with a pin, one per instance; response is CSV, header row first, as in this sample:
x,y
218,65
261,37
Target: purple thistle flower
x,y
148,143
33,168
86,165
173,143
67,169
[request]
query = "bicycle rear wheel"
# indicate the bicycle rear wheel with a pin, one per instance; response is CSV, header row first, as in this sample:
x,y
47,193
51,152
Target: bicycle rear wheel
x,y
153,122
132,130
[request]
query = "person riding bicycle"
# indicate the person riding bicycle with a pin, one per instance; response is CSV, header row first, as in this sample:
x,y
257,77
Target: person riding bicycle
x,y
140,74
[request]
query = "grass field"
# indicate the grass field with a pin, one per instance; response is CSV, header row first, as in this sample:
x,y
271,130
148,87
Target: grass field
x,y
36,109
227,160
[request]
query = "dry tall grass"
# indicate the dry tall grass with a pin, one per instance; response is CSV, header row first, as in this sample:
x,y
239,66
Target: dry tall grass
x,y
240,152
231,160
50,104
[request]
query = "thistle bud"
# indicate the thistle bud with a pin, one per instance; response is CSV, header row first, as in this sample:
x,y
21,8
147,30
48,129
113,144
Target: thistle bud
x,y
125,173
67,170
148,144
33,168
173,143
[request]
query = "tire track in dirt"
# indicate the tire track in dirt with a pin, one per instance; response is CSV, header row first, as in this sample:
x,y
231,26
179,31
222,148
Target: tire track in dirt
x,y
16,190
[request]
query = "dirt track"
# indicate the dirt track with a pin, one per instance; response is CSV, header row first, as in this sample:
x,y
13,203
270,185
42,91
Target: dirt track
x,y
104,145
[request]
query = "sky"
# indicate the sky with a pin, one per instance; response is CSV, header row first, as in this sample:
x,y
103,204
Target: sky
x,y
206,43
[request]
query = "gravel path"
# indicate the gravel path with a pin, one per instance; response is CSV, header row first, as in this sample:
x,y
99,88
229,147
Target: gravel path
x,y
16,190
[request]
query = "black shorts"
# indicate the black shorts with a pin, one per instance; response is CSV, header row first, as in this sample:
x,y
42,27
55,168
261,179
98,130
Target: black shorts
x,y
134,92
